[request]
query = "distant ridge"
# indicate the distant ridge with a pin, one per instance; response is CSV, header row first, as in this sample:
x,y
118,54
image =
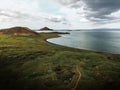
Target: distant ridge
x,y
18,31
45,28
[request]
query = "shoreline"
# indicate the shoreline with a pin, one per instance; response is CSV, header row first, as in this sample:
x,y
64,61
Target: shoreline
x,y
104,52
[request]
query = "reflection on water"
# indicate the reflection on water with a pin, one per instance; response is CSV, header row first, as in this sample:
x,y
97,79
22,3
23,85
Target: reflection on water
x,y
102,41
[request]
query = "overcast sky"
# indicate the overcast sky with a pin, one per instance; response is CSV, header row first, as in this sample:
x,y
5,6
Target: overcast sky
x,y
60,14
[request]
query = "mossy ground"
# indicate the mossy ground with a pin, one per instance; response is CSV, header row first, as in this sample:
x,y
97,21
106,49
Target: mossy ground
x,y
29,62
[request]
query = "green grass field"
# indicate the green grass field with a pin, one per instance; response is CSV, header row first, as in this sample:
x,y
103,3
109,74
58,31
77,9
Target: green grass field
x,y
31,63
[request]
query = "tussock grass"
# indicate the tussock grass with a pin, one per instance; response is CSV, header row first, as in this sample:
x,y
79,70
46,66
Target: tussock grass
x,y
27,62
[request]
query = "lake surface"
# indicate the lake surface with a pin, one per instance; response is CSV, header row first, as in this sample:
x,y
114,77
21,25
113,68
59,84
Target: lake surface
x,y
96,40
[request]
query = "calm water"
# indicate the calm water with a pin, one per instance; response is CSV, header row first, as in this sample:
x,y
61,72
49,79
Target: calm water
x,y
103,41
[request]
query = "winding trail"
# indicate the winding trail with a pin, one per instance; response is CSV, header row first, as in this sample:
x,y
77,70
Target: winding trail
x,y
79,76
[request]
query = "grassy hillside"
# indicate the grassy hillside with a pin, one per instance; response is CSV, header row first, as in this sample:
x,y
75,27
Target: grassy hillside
x,y
18,31
31,63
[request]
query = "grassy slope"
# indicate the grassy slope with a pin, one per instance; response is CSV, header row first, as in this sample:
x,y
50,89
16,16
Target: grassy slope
x,y
26,63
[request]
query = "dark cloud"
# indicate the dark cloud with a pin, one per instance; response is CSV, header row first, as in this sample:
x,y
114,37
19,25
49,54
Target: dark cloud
x,y
101,8
95,10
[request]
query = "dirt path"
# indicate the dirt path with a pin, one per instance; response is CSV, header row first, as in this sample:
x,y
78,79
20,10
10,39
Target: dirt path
x,y
79,76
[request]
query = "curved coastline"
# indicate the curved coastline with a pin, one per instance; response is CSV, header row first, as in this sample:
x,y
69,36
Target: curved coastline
x,y
57,36
104,52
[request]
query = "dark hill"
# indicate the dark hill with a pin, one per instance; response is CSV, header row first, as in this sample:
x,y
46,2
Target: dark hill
x,y
24,31
45,28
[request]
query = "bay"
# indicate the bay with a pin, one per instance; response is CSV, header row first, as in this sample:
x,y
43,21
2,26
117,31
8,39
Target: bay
x,y
95,40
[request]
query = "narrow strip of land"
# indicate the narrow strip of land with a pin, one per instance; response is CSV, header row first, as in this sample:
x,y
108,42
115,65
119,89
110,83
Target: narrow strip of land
x,y
79,76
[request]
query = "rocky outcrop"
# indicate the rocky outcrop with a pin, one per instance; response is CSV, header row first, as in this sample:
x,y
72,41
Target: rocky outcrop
x,y
45,28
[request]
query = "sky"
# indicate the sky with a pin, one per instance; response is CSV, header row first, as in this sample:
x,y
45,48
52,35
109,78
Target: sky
x,y
60,14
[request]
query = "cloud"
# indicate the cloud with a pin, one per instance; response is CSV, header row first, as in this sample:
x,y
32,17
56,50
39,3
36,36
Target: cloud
x,y
13,15
59,13
101,8
17,15
19,12
98,11
67,2
10,18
